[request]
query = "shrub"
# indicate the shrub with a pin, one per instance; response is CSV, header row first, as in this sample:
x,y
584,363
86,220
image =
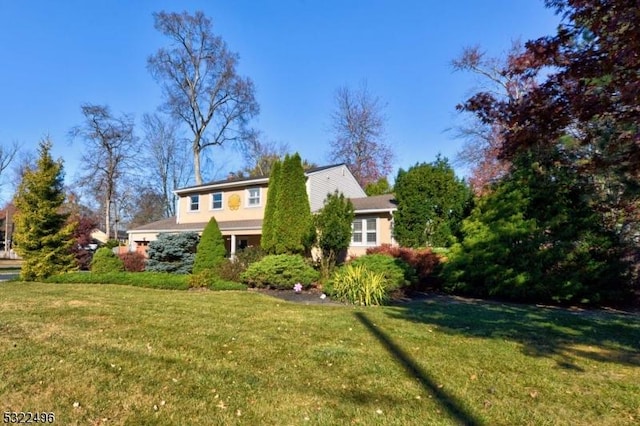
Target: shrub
x,y
112,243
104,261
133,261
281,271
157,280
425,262
201,279
359,285
232,269
173,253
396,272
211,250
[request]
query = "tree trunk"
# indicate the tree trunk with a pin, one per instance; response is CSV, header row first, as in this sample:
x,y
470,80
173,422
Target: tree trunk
x,y
107,219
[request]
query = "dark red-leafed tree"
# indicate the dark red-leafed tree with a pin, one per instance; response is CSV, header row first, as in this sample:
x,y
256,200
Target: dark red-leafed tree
x,y
358,126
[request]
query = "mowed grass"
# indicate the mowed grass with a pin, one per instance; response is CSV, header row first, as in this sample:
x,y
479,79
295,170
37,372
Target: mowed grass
x,y
122,355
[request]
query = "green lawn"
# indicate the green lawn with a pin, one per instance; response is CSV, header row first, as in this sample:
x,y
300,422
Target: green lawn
x,y
107,354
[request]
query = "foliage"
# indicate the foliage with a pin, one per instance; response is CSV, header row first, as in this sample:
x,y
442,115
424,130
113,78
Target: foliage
x,y
208,278
133,261
233,269
379,187
585,102
333,225
174,253
281,271
293,220
112,243
535,238
42,236
84,226
105,261
211,250
357,284
425,262
110,147
431,203
200,84
396,272
159,280
358,123
268,238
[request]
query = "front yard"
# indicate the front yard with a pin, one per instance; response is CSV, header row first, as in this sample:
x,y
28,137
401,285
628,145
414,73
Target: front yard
x,y
105,354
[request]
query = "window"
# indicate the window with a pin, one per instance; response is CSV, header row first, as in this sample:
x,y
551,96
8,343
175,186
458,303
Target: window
x,y
216,201
253,197
364,232
194,203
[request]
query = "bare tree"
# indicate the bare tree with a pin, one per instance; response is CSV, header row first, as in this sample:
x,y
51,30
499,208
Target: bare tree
x,y
109,149
259,156
358,126
483,141
167,158
7,155
200,83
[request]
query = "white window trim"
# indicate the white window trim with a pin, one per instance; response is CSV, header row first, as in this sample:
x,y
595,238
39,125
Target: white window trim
x,y
364,242
221,201
248,196
189,203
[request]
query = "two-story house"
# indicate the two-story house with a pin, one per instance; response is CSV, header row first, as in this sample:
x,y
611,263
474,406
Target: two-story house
x,y
238,206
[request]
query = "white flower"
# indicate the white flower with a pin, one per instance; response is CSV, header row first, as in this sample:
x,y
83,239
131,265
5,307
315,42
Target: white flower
x,y
323,296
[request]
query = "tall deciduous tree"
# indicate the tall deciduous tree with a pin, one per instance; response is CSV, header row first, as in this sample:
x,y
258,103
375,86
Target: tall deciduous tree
x,y
358,126
431,204
108,154
483,140
42,236
200,83
7,155
167,159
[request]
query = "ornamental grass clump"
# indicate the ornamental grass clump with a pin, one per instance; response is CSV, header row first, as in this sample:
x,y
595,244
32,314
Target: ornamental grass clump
x,y
360,286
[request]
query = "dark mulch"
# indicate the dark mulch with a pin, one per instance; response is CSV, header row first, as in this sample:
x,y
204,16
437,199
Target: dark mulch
x,y
307,297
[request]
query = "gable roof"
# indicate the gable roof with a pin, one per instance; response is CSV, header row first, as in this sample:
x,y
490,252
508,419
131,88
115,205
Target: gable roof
x,y
377,203
233,182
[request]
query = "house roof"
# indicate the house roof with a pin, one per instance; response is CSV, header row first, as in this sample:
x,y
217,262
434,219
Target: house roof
x,y
377,203
233,181
170,225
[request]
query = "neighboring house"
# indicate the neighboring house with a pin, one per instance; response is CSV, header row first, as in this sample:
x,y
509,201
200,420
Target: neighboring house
x,y
101,237
238,206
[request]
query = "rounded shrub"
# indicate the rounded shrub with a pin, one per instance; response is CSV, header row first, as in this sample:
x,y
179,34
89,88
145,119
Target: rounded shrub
x,y
396,272
105,261
281,271
133,261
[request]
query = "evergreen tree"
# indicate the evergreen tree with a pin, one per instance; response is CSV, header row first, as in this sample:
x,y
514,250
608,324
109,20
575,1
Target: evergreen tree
x,y
431,204
174,253
333,224
267,241
294,221
211,250
42,236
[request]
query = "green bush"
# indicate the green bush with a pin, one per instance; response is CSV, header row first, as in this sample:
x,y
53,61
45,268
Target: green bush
x,y
208,278
173,253
211,250
396,272
105,261
137,279
359,285
280,271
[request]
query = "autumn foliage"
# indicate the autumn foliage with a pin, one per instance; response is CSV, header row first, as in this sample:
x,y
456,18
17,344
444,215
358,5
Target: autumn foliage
x,y
424,261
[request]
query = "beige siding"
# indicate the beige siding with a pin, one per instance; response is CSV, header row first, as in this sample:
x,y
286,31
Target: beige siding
x,y
383,234
327,181
243,212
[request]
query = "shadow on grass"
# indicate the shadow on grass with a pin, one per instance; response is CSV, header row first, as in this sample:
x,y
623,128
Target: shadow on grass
x,y
541,331
448,401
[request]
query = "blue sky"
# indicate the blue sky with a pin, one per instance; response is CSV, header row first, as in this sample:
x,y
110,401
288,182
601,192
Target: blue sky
x,y
56,55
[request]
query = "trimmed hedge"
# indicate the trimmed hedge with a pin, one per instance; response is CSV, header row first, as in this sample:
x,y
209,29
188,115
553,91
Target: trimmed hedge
x,y
280,271
137,279
208,278
105,261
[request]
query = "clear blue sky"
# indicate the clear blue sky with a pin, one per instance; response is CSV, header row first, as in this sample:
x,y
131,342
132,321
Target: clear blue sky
x,y
56,55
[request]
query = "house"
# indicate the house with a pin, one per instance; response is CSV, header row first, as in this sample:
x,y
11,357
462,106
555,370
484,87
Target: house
x,y
238,206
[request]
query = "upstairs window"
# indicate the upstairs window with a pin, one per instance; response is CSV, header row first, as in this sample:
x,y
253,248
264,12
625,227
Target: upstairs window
x,y
194,203
253,197
216,201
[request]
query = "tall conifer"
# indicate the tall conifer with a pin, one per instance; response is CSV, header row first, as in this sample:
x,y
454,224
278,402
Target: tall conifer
x,y
267,242
42,236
